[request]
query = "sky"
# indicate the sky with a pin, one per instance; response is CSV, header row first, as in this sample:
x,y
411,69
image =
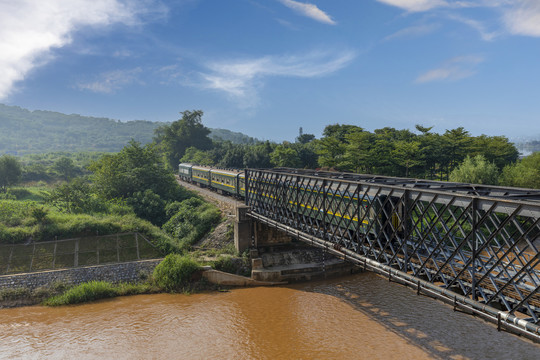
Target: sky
x,y
270,67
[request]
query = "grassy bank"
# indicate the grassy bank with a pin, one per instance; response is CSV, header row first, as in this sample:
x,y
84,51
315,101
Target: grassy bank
x,y
176,273
95,290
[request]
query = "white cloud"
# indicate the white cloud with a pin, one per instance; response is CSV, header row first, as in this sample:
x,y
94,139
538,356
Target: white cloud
x,y
238,78
30,29
110,82
415,5
523,18
454,69
426,5
309,10
413,31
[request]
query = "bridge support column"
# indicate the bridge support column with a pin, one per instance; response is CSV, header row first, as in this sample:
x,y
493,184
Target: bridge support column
x,y
242,229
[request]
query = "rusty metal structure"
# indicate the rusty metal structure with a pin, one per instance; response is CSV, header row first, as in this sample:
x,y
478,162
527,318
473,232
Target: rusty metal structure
x,y
473,245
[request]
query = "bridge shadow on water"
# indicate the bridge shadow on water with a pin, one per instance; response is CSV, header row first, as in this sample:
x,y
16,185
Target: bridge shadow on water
x,y
425,322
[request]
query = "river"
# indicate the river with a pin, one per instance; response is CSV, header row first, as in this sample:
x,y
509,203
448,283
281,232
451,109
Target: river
x,y
357,317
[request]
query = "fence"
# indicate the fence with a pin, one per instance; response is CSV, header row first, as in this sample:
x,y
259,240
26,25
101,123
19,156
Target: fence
x,y
69,253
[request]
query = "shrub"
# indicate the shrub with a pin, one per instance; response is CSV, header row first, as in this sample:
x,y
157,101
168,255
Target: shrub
x,y
175,272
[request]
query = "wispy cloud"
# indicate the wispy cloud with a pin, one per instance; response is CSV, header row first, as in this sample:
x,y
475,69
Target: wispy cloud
x,y
413,31
452,70
476,25
523,18
415,5
426,5
30,29
110,82
239,78
309,10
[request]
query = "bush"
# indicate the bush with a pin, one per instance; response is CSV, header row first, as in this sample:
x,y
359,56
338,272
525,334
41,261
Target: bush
x,y
175,272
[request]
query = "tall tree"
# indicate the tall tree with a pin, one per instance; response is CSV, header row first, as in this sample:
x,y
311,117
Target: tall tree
x,y
10,171
187,132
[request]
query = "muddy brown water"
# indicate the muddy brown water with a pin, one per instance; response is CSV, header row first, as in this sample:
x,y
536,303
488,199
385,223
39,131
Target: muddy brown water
x,y
357,317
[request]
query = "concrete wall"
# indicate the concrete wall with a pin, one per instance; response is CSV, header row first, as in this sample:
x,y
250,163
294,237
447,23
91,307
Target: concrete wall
x,y
115,273
268,236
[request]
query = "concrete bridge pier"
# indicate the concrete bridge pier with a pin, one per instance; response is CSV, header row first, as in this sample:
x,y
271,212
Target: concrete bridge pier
x,y
275,257
242,229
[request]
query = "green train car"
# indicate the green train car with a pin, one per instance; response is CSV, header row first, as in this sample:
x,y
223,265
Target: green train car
x,y
341,210
231,182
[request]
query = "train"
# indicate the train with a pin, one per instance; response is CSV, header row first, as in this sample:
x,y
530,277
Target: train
x,y
230,181
368,219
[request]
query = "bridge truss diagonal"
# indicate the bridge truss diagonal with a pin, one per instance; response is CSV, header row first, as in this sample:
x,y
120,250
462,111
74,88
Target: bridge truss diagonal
x,y
480,245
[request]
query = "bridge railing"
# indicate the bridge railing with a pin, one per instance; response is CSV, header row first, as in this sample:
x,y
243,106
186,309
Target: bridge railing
x,y
483,247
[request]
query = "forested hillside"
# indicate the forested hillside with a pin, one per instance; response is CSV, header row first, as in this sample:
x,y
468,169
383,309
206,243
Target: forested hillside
x,y
25,132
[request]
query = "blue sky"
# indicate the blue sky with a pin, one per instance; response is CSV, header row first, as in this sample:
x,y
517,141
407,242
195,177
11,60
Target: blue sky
x,y
268,67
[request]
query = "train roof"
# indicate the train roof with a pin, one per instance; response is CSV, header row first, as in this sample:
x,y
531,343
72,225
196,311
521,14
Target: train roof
x,y
214,170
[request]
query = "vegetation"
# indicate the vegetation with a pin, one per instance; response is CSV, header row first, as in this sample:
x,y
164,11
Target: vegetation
x,y
175,272
176,138
476,170
36,132
525,173
10,172
95,290
192,219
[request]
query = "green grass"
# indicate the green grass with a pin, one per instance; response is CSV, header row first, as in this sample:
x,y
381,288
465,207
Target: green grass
x,y
95,290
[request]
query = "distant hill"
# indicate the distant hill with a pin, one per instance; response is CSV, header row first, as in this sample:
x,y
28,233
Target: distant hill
x,y
234,137
23,132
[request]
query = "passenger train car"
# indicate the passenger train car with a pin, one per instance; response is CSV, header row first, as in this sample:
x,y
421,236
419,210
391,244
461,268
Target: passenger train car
x,y
367,217
231,182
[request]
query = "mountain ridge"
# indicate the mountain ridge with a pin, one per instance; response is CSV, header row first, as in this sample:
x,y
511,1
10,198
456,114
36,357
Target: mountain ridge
x,y
24,131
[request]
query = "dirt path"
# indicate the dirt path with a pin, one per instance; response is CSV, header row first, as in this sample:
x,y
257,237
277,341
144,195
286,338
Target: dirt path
x,y
227,204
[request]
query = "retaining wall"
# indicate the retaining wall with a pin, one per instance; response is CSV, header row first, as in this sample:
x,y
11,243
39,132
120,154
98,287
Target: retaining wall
x,y
115,273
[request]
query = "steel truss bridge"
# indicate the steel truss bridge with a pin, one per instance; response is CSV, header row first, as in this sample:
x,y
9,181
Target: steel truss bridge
x,y
473,245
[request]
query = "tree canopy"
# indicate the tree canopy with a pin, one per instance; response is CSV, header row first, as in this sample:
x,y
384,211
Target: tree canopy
x,y
10,171
134,169
176,138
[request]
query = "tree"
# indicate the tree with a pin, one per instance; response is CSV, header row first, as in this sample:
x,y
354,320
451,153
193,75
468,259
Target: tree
x,y
305,138
258,156
496,149
525,173
476,170
134,169
76,197
10,172
65,168
358,155
285,156
148,205
196,156
187,132
406,155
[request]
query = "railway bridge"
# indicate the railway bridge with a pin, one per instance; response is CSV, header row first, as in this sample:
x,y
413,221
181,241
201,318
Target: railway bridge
x,y
474,246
